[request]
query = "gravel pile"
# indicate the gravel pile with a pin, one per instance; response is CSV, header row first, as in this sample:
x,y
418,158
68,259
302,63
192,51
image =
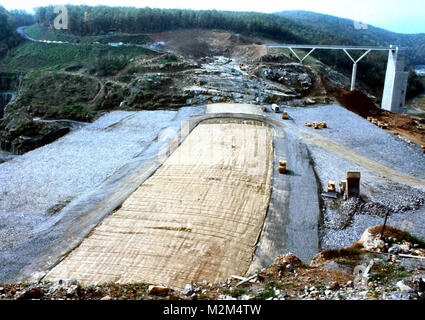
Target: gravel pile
x,y
399,198
333,238
339,214
345,221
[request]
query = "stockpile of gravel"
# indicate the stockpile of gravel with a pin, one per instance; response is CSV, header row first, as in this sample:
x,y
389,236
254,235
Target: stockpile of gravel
x,y
345,221
399,198
339,214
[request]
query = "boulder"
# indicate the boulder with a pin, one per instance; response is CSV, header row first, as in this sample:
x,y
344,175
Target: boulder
x,y
403,287
158,290
31,293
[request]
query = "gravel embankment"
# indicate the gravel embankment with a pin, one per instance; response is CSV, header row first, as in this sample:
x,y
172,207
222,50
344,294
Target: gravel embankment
x,y
356,133
344,223
34,187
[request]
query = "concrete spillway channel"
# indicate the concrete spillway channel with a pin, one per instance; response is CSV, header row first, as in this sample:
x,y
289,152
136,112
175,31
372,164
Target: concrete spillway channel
x,y
210,205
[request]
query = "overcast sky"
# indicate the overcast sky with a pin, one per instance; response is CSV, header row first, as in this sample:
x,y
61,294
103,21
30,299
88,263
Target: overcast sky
x,y
405,16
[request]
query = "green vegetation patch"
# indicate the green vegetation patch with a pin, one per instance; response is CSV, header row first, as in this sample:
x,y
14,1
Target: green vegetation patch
x,y
167,59
36,56
41,32
58,95
109,65
387,273
415,85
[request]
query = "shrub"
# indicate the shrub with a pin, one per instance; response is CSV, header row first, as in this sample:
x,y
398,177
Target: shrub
x,y
109,65
414,85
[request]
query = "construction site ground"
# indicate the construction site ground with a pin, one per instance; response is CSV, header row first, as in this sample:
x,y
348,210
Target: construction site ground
x,y
197,217
291,216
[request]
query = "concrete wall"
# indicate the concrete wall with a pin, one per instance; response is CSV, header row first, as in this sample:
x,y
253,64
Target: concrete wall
x,y
394,96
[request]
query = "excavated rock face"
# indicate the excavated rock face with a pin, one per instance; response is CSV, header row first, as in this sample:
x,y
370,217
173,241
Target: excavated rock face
x,y
292,75
274,58
152,86
25,135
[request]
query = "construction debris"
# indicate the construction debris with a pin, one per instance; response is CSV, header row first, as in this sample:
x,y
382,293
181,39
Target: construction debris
x,y
411,256
380,124
316,125
245,280
333,195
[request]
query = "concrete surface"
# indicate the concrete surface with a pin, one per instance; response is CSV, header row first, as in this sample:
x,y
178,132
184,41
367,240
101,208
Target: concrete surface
x,y
196,218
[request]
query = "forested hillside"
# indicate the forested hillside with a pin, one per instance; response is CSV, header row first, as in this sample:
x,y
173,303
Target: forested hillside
x,y
86,20
414,43
9,21
285,27
8,37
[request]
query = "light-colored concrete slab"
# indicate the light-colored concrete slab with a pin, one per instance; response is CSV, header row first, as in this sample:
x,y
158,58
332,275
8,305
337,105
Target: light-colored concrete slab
x,y
234,108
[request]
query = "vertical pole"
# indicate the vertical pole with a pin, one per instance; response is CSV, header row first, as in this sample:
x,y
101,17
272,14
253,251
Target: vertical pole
x,y
353,77
385,223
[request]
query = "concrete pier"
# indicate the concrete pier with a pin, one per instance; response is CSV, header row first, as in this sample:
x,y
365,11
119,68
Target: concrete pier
x,y
394,95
